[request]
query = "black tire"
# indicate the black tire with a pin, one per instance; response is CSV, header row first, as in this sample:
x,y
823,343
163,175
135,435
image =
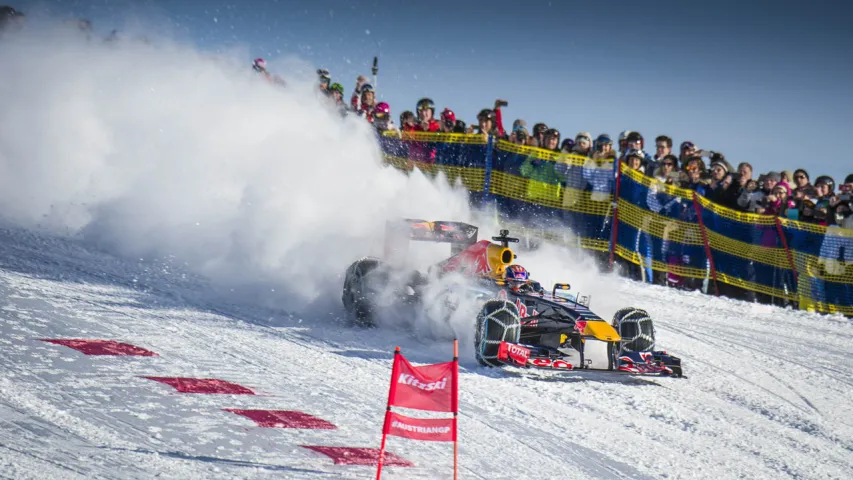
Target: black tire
x,y
636,328
357,297
497,321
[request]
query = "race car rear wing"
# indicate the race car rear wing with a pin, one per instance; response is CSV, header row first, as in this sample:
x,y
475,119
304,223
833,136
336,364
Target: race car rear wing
x,y
398,234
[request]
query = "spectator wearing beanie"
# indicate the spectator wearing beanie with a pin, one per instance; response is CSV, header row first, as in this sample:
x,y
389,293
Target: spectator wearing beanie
x,y
776,203
723,188
754,194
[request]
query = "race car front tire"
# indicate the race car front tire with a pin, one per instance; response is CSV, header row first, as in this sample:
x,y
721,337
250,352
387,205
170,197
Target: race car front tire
x,y
636,328
498,321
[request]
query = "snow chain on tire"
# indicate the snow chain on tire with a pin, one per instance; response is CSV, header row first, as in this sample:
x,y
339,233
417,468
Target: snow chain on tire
x,y
636,328
498,321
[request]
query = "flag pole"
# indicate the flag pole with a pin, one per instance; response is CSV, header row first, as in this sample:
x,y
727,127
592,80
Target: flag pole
x,y
391,390
455,404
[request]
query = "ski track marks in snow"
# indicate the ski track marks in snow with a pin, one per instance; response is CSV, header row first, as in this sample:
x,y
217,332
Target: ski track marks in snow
x,y
767,393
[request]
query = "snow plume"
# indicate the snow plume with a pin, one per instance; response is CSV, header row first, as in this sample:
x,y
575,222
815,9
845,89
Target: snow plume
x,y
157,149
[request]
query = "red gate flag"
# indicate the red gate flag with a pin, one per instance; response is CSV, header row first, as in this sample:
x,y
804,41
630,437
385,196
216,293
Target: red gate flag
x,y
429,387
429,429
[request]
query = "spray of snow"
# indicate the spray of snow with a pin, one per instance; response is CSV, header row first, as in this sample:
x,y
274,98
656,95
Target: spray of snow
x,y
157,149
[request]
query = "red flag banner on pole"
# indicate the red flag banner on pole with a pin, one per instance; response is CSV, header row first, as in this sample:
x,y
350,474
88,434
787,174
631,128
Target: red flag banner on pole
x,y
429,429
429,387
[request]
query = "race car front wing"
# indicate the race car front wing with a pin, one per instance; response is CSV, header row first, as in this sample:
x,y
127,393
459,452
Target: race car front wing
x,y
657,363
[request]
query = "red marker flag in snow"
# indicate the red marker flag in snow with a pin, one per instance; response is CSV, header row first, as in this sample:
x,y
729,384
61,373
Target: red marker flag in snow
x,y
429,429
429,387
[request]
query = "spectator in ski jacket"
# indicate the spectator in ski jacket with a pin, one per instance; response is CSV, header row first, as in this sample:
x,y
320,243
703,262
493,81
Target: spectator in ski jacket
x,y
753,195
717,188
407,121
583,144
426,121
448,121
801,183
667,170
776,203
634,143
355,99
544,183
695,170
603,148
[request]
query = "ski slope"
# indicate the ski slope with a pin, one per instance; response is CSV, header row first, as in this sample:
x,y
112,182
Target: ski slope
x,y
767,393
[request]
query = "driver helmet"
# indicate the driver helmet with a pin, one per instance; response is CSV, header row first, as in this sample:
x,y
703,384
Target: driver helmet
x,y
516,274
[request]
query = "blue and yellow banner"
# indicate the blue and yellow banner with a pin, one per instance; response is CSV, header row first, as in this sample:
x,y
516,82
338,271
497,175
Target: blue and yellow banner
x,y
663,233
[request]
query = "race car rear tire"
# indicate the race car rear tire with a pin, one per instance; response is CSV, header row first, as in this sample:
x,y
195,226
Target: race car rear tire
x,y
498,321
636,328
357,298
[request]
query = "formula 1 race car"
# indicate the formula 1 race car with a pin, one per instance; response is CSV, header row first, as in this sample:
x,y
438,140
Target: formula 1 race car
x,y
519,323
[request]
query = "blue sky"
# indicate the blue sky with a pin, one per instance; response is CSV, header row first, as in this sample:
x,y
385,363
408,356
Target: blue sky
x,y
761,81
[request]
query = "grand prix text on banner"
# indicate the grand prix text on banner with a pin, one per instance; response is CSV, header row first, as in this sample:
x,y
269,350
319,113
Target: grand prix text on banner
x,y
428,429
429,387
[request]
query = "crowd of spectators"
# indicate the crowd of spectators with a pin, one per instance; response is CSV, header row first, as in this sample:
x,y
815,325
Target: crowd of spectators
x,y
783,193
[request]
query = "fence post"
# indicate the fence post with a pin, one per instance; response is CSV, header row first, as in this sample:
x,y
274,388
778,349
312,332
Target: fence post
x,y
698,208
788,253
615,228
487,180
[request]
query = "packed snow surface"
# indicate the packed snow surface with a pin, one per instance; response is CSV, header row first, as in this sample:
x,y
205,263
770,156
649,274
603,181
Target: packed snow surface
x,y
766,395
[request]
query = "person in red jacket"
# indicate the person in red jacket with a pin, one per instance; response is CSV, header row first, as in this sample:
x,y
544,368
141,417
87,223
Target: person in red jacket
x,y
426,116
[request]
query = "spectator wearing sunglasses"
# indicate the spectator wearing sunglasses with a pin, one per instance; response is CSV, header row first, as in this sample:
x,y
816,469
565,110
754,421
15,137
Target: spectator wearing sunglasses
x,y
695,171
667,171
567,146
717,188
801,183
